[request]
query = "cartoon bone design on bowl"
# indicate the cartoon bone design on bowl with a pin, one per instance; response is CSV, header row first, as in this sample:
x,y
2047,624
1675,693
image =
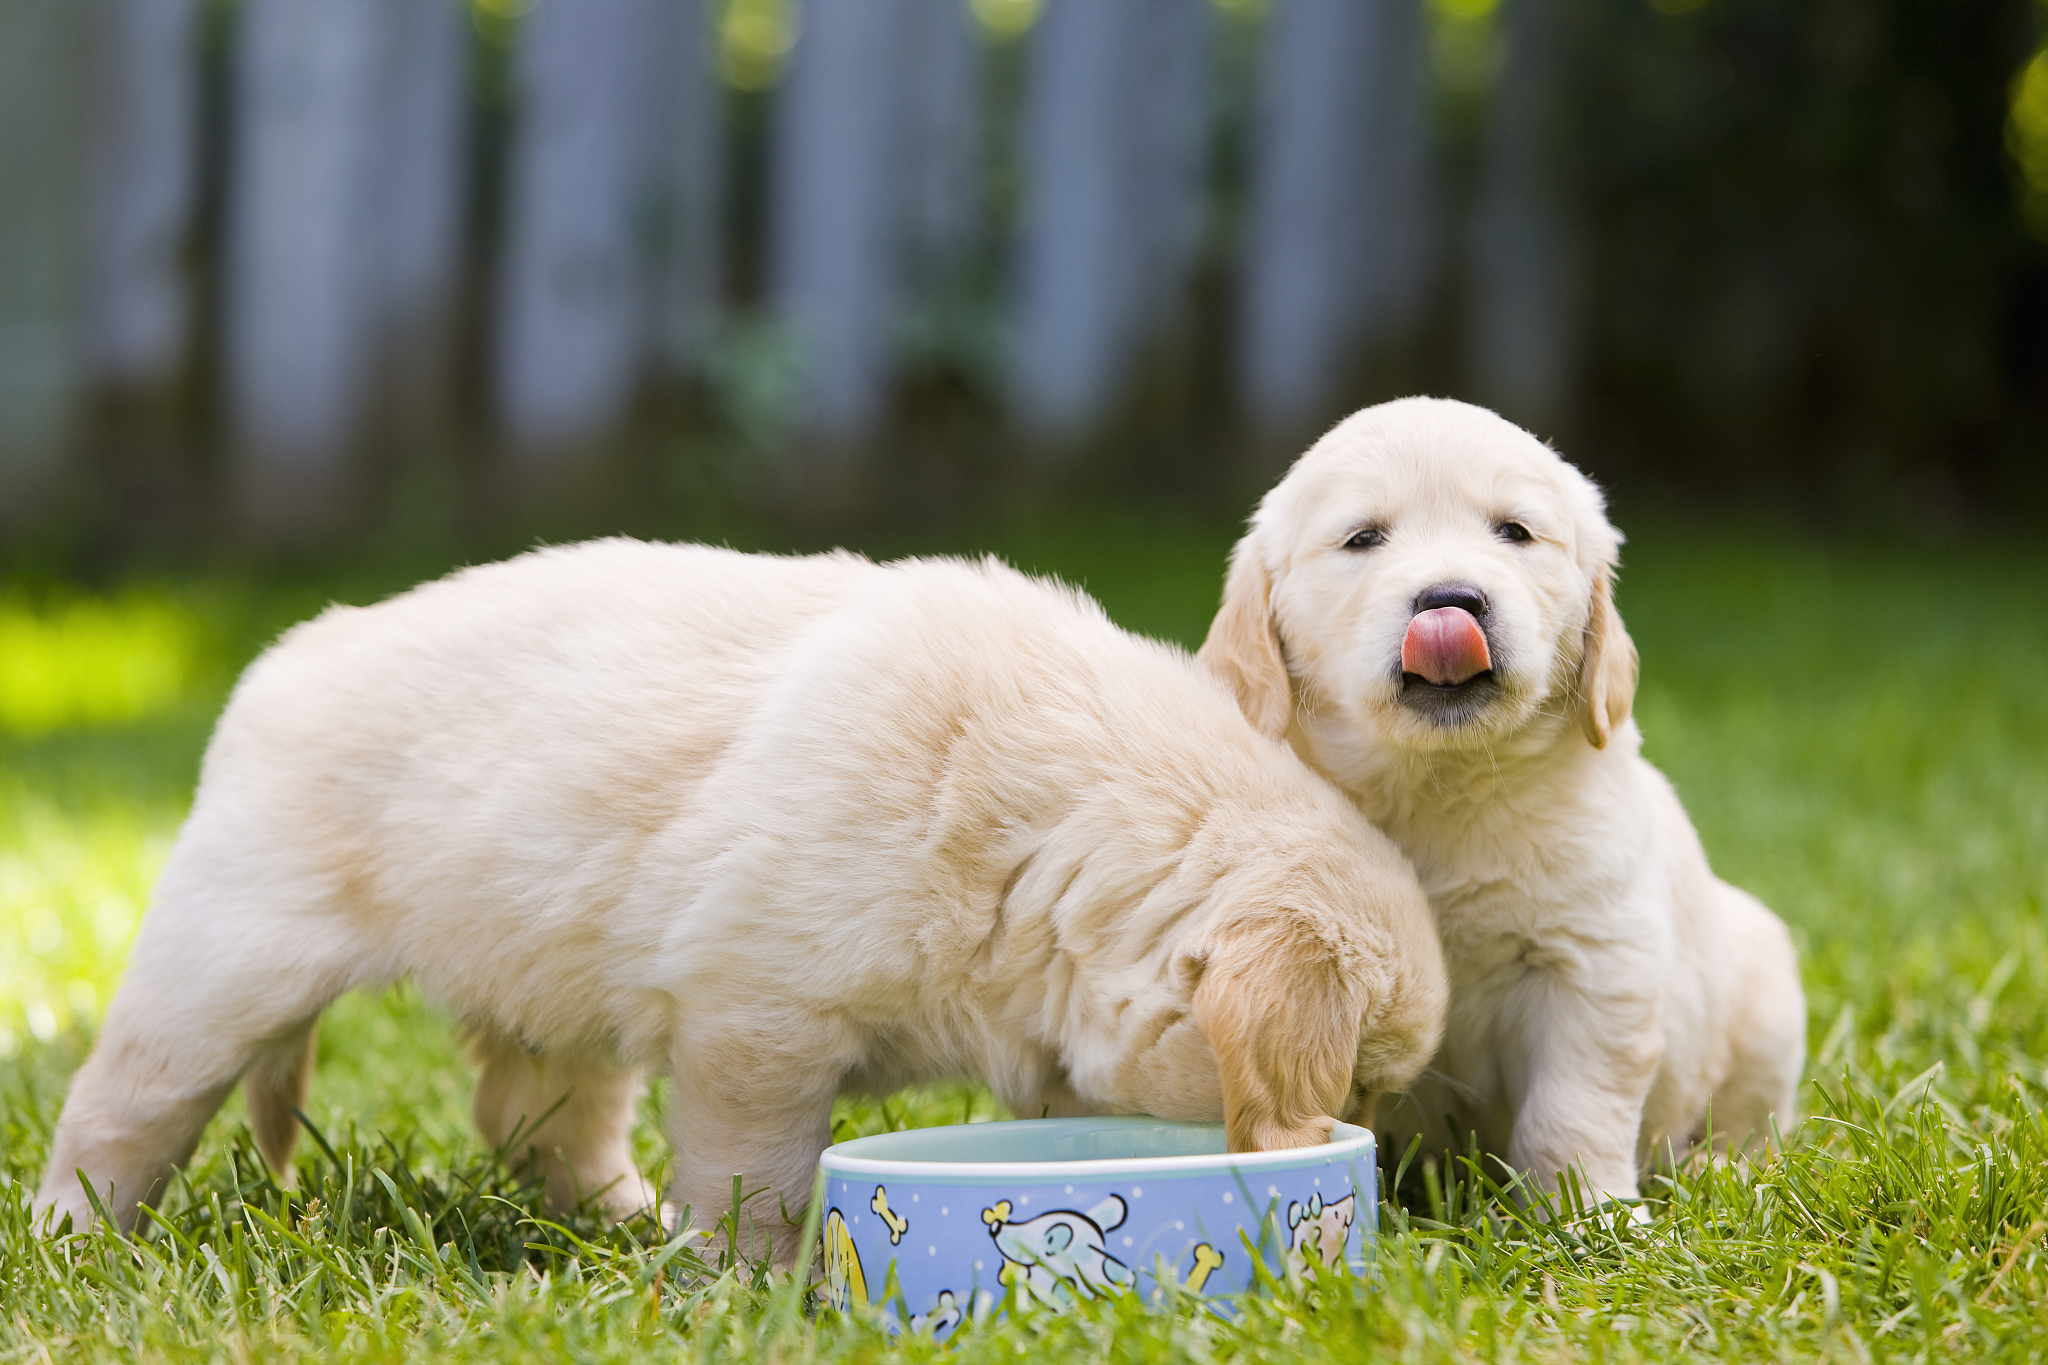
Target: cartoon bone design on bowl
x,y
896,1222
1319,1229
1060,1255
944,1316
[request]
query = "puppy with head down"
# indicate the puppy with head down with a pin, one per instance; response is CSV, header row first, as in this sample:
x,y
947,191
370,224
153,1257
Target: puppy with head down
x,y
776,827
1424,607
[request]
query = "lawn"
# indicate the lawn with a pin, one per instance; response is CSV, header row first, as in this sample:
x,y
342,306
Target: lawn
x,y
1860,731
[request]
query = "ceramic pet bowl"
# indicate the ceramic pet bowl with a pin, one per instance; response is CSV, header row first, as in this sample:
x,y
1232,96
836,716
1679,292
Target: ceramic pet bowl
x,y
1067,1209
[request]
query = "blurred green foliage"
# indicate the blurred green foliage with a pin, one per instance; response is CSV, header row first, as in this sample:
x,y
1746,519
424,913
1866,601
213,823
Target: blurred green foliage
x,y
86,661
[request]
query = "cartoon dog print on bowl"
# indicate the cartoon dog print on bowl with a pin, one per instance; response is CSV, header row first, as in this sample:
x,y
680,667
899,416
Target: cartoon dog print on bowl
x,y
844,1282
1318,1230
1060,1256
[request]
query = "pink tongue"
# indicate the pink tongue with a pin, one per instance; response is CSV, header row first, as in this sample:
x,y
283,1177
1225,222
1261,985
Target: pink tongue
x,y
1445,647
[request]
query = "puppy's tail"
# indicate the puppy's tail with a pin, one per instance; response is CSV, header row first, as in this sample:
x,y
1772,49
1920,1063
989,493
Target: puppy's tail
x,y
274,1088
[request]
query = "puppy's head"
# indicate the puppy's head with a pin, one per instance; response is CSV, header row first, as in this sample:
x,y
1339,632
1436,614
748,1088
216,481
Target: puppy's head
x,y
1433,576
1313,1011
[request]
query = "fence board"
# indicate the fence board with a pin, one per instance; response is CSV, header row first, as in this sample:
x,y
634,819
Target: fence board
x,y
1402,207
688,155
940,108
571,328
1172,78
142,169
1522,289
1334,254
423,165
301,252
836,206
42,55
1114,121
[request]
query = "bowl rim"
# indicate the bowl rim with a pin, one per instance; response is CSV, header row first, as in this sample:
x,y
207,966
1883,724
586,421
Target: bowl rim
x,y
1347,1141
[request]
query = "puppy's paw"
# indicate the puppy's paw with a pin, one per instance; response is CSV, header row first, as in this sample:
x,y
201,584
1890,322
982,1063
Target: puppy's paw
x,y
634,1197
1639,1215
50,1220
1273,1135
59,1210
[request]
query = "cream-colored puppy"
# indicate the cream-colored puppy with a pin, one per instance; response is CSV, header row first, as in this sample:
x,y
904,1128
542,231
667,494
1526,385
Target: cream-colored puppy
x,y
778,827
1424,607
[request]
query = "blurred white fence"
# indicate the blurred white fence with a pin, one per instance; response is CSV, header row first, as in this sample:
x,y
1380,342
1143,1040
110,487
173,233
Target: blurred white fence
x,y
1079,194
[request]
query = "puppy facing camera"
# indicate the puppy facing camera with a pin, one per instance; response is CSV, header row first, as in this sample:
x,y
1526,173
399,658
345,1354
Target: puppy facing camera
x,y
1424,608
778,828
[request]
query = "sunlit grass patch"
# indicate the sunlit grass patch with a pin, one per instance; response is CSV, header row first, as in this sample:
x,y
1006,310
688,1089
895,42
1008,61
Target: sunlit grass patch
x,y
76,660
84,679
72,888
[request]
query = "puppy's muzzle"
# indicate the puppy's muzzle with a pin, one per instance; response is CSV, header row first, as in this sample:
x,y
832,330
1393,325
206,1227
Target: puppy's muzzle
x,y
1446,658
1446,643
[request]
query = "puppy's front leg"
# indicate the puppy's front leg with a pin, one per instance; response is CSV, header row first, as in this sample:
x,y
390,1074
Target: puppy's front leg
x,y
747,1104
1579,1063
572,1116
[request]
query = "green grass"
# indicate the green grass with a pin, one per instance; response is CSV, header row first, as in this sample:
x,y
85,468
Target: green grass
x,y
1861,735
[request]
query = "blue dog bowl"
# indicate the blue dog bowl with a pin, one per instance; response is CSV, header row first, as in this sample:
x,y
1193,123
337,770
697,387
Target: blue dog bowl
x,y
1054,1211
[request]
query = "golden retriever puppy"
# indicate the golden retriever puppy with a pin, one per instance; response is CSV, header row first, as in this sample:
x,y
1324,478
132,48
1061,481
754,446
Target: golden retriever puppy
x,y
1424,607
779,828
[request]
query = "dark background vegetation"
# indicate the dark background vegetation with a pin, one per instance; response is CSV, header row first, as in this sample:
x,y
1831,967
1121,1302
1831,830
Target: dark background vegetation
x,y
1810,274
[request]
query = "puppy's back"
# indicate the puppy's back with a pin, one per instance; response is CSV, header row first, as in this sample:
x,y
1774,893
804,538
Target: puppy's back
x,y
484,727
548,641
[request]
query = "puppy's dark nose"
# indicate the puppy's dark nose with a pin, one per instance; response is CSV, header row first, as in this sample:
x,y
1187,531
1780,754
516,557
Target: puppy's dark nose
x,y
1452,595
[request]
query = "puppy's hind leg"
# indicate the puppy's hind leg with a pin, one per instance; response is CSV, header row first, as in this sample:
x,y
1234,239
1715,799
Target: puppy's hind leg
x,y
219,980
1767,1046
572,1116
274,1088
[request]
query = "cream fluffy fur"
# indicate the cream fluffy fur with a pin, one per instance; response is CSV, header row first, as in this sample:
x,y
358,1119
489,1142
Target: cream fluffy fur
x,y
777,827
1607,991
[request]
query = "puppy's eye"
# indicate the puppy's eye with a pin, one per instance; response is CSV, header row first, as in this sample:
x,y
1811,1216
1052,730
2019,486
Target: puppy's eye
x,y
1513,532
1366,539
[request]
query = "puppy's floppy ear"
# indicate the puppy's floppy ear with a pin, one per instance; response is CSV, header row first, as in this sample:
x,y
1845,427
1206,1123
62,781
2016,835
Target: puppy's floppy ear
x,y
1607,676
1281,1007
1243,648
